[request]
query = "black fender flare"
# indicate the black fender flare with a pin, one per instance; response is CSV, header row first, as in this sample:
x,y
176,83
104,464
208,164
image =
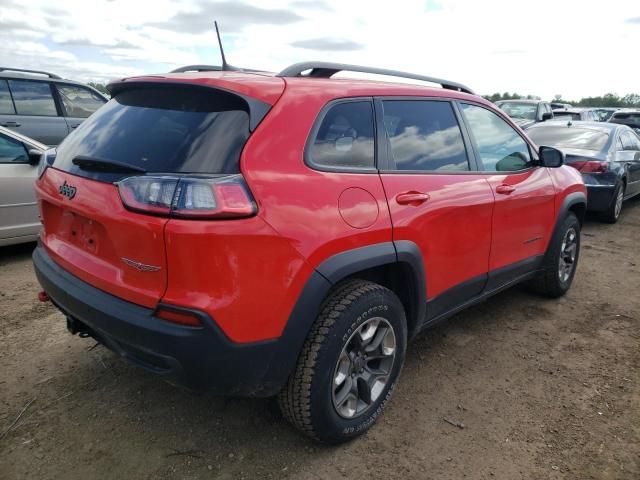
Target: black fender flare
x,y
572,199
330,272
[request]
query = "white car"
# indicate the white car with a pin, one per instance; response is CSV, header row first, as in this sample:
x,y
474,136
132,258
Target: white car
x,y
19,158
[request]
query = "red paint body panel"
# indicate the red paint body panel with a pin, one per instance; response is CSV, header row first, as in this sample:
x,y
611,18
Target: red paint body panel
x,y
523,220
452,228
91,233
300,203
243,274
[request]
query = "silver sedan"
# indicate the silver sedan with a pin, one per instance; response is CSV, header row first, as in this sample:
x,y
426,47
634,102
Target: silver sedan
x,y
19,158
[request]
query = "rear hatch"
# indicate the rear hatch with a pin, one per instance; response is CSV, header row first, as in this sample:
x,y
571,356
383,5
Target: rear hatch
x,y
147,131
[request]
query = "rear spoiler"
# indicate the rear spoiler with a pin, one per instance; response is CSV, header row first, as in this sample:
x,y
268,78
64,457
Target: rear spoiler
x,y
257,108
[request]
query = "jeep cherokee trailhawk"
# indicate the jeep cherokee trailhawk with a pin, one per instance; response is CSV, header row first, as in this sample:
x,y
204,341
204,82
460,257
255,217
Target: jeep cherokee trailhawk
x,y
259,234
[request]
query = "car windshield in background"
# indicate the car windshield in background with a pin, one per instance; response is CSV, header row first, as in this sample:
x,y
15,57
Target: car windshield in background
x,y
162,130
631,119
569,137
520,110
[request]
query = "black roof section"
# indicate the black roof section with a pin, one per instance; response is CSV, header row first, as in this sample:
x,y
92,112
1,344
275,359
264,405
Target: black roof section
x,y
197,68
23,70
328,69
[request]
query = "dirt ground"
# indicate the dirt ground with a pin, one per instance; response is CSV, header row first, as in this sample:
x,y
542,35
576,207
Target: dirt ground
x,y
544,389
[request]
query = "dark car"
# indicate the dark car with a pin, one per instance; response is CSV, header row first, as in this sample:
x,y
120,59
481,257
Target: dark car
x,y
526,112
43,106
607,155
580,114
630,118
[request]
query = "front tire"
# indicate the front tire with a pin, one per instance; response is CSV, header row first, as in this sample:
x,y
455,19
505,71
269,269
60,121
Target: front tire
x,y
561,260
349,364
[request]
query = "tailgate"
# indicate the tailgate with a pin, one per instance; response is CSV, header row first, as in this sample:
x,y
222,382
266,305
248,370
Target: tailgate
x,y
90,233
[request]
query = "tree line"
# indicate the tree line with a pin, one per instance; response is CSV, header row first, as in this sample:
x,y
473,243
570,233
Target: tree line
x,y
631,100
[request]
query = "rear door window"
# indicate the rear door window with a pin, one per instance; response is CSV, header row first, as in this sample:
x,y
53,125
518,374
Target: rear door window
x,y
499,147
162,129
6,104
78,102
424,135
33,98
345,137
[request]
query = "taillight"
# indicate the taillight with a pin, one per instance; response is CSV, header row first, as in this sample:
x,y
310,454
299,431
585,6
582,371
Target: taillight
x,y
179,316
188,196
591,166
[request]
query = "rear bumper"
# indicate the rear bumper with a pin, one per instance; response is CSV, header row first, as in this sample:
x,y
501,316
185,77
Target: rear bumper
x,y
198,358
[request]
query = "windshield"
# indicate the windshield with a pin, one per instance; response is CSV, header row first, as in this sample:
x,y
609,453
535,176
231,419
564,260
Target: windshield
x,y
569,137
163,130
522,110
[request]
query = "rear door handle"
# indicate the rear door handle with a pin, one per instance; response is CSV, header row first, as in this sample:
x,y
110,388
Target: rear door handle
x,y
505,189
412,198
10,124
75,126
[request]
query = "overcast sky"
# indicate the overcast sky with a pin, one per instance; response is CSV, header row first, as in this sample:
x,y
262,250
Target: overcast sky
x,y
546,47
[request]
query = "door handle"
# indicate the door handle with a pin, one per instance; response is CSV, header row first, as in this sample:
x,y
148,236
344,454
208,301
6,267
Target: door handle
x,y
412,198
505,189
75,126
10,124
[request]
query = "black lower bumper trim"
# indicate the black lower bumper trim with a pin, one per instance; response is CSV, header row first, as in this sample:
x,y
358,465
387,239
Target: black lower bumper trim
x,y
198,358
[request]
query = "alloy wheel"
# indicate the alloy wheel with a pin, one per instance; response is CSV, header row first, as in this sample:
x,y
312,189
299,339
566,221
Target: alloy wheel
x,y
568,252
363,368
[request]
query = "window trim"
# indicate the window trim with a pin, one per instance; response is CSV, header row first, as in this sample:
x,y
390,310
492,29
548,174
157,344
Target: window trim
x,y
24,145
383,137
311,138
51,90
535,161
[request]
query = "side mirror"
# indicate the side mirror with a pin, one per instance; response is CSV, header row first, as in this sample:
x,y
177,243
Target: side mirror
x,y
547,116
551,157
34,156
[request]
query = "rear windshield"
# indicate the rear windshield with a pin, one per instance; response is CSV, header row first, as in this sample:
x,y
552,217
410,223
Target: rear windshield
x,y
631,119
162,130
569,137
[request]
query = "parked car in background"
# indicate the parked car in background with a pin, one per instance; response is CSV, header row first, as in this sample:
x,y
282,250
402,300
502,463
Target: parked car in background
x,y
44,106
604,114
574,113
560,106
19,158
631,118
526,112
181,229
607,155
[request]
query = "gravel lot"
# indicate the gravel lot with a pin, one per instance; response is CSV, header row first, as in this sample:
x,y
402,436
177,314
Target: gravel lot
x,y
544,390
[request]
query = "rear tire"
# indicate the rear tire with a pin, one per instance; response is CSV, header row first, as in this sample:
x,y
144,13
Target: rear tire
x,y
612,214
561,260
349,364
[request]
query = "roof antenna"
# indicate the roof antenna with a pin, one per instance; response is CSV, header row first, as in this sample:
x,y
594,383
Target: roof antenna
x,y
225,65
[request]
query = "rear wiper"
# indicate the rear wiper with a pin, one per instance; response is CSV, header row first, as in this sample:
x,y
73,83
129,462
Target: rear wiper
x,y
101,165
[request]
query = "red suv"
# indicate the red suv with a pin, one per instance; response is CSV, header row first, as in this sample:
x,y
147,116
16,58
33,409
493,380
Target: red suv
x,y
258,234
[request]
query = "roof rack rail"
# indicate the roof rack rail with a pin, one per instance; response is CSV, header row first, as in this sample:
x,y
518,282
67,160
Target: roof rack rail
x,y
24,70
197,68
327,69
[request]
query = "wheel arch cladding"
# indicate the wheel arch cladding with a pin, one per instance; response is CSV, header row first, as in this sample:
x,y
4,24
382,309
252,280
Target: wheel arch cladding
x,y
395,265
575,202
